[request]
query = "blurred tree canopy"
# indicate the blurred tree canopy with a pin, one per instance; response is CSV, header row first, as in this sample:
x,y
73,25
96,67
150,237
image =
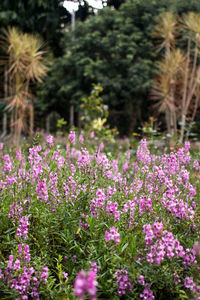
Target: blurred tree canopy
x,y
114,48
44,17
109,49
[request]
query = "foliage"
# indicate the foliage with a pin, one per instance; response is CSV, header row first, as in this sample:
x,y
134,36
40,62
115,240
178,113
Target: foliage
x,y
177,84
111,49
61,123
24,63
42,17
95,114
92,107
114,48
131,221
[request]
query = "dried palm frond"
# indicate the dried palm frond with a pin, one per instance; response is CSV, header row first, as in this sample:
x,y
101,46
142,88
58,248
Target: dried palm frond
x,y
24,61
166,29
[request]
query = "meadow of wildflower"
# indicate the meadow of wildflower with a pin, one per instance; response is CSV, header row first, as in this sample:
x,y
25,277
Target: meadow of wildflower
x,y
80,222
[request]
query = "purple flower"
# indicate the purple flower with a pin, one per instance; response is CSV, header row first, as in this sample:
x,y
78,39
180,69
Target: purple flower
x,y
44,274
22,230
74,258
147,294
21,276
94,267
81,139
85,283
123,282
196,164
101,146
19,155
176,278
72,137
141,280
189,283
112,235
50,140
65,275
187,146
196,248
92,135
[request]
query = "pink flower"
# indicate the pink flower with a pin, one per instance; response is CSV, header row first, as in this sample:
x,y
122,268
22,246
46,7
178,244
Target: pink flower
x,y
157,227
19,155
189,283
147,294
49,140
112,235
72,137
81,139
22,230
196,164
65,275
123,282
187,146
94,267
44,274
101,146
85,283
196,248
7,163
92,135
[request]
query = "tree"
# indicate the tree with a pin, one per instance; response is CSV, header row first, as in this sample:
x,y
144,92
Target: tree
x,y
114,48
24,62
47,18
191,24
44,17
177,84
165,83
110,49
115,3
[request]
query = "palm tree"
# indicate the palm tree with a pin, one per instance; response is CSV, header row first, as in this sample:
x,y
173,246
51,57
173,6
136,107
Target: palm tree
x,y
176,86
164,85
166,30
190,26
24,61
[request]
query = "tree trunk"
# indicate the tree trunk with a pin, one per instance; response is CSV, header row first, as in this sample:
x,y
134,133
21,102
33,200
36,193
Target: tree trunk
x,y
175,122
48,124
167,118
11,123
79,120
183,121
71,116
71,113
5,99
171,124
183,116
31,119
16,127
4,124
193,114
134,111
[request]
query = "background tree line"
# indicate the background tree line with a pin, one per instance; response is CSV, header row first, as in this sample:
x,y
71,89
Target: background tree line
x,y
115,48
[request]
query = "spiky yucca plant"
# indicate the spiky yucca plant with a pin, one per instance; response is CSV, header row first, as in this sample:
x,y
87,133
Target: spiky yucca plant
x,y
176,84
191,27
25,63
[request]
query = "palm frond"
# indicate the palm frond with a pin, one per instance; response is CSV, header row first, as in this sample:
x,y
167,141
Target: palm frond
x,y
165,29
